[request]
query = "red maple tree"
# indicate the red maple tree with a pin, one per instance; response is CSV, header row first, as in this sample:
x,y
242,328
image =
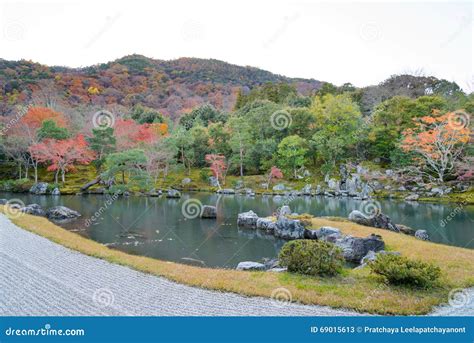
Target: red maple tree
x,y
62,155
218,166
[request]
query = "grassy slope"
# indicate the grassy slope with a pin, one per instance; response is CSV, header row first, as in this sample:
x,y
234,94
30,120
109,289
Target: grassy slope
x,y
355,289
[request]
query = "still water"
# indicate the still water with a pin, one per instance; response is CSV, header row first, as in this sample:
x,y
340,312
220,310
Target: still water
x,y
156,227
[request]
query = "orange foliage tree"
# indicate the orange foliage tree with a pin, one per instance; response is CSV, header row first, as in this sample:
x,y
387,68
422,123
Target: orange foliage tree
x,y
437,143
62,155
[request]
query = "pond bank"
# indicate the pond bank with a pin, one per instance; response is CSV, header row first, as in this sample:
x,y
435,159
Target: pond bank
x,y
357,290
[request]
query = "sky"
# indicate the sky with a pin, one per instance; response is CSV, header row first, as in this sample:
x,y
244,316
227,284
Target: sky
x,y
338,41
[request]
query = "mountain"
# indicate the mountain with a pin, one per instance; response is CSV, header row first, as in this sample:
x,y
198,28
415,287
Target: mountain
x,y
172,87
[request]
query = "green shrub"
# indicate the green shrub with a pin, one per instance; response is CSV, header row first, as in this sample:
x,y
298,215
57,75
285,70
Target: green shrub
x,y
311,257
21,185
399,270
204,174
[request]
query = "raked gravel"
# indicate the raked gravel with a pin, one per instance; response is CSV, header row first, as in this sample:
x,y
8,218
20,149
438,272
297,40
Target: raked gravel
x,y
41,278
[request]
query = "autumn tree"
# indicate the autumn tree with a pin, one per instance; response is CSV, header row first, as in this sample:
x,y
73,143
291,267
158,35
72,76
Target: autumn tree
x,y
437,142
274,173
62,155
218,167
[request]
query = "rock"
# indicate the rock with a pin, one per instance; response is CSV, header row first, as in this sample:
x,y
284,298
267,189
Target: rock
x,y
284,211
56,191
186,181
372,256
306,173
319,191
323,232
173,194
436,191
239,184
271,263
412,197
3,201
126,193
405,229
39,188
333,184
379,220
307,189
289,228
389,172
213,181
402,189
278,270
154,193
422,234
247,220
226,191
279,187
209,211
33,209
266,224
61,213
264,185
355,248
249,265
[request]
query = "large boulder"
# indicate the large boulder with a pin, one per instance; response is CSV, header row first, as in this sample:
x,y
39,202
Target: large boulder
x,y
325,233
406,229
209,212
355,248
39,188
173,194
279,187
289,228
56,191
422,234
378,220
266,224
33,209
3,201
61,213
247,220
249,265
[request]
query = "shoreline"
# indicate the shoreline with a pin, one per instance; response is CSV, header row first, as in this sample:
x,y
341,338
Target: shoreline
x,y
357,290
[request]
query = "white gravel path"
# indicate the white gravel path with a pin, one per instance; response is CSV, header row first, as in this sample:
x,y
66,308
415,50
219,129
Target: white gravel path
x,y
42,278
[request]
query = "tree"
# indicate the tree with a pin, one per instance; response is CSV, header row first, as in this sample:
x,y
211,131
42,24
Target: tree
x,y
49,129
102,142
131,135
35,116
437,142
274,173
218,167
62,154
183,142
160,156
292,153
240,140
129,162
338,128
146,115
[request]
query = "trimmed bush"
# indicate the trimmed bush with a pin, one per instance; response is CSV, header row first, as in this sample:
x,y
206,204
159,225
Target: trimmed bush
x,y
311,257
399,270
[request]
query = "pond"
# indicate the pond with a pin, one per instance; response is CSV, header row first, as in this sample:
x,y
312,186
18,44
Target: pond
x,y
156,227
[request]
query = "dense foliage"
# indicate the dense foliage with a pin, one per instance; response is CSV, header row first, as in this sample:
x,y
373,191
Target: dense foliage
x,y
311,257
128,111
400,270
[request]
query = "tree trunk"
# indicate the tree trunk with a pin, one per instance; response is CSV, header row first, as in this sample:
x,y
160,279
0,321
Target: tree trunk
x,y
91,183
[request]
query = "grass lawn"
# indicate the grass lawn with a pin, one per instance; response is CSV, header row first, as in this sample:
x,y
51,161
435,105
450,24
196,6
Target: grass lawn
x,y
355,289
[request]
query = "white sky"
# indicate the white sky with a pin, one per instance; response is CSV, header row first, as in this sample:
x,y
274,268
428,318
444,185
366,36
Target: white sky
x,y
362,43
